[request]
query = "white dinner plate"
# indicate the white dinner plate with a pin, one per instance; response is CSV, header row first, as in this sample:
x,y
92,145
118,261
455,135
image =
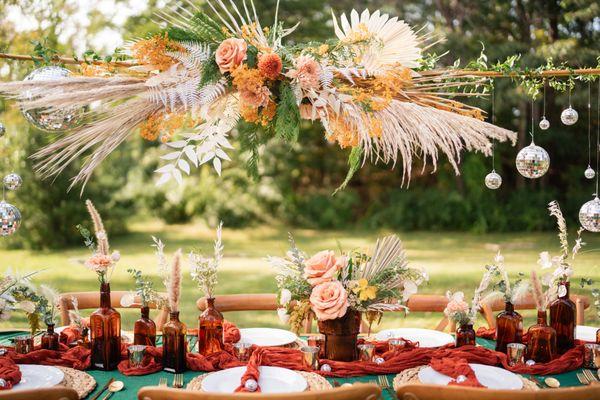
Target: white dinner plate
x,y
271,380
267,336
586,333
39,376
488,376
126,336
425,337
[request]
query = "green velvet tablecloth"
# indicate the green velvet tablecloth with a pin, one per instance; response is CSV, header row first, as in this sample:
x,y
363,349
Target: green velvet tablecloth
x,y
134,383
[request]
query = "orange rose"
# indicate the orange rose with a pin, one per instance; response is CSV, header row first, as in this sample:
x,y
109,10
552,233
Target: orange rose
x,y
329,300
321,267
230,54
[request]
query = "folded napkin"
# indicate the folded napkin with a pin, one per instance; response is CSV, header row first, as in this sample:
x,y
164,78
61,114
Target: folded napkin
x,y
70,335
10,372
458,369
152,363
252,370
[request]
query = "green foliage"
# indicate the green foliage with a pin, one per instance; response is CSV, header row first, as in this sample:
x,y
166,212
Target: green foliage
x,y
182,35
250,142
41,49
354,162
144,288
252,56
287,117
207,29
210,72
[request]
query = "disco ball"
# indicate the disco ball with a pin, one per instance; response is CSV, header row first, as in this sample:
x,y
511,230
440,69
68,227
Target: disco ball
x,y
589,215
12,181
533,161
2,129
10,218
493,180
55,121
544,124
590,173
569,116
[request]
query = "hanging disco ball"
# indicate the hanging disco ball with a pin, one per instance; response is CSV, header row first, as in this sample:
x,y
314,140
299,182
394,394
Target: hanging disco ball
x,y
493,180
590,173
10,219
544,124
533,161
54,121
2,129
569,116
589,215
12,181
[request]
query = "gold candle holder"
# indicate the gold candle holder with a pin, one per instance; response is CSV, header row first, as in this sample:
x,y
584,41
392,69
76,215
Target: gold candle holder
x,y
591,357
310,357
515,353
396,344
317,340
366,351
24,344
242,351
136,354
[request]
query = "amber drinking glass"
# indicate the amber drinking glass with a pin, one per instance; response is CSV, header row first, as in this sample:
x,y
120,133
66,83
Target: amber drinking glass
x,y
105,329
541,346
174,344
144,329
465,335
50,339
210,329
509,327
562,319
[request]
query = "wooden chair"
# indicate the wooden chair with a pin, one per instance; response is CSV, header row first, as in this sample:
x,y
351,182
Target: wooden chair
x,y
53,393
490,310
91,300
247,302
437,392
354,392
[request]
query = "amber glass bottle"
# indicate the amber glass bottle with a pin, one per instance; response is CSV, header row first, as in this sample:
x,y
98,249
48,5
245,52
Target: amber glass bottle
x,y
50,339
509,327
105,328
210,329
465,335
144,329
174,344
562,319
541,346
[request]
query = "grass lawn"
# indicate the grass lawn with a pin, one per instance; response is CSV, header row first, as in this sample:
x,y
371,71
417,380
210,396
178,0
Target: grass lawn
x,y
454,261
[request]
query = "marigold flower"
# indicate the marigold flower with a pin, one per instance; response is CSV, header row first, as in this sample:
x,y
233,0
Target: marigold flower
x,y
270,65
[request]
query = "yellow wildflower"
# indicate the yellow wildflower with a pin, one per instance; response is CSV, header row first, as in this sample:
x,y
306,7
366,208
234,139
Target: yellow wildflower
x,y
364,291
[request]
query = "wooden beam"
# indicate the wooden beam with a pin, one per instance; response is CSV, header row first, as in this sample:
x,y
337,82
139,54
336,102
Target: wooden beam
x,y
67,60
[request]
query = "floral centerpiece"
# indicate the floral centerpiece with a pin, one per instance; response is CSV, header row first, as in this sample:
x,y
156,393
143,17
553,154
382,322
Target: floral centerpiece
x,y
337,289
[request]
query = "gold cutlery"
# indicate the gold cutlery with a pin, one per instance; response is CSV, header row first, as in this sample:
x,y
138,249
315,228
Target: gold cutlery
x,y
162,382
178,381
106,385
582,379
589,375
384,383
116,386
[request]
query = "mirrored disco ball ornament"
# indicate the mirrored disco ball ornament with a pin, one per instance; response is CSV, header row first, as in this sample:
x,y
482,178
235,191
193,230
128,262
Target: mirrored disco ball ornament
x,y
2,129
55,121
589,173
12,181
544,124
533,161
569,116
589,215
493,180
10,219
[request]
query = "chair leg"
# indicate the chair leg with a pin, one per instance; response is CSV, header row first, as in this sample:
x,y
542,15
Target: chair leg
x,y
488,314
442,324
579,307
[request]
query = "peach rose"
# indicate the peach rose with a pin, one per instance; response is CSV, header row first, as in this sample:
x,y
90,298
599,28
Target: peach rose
x,y
99,263
321,267
230,54
329,300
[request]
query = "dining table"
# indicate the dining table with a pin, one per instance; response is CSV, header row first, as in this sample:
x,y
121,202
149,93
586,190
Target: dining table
x,y
132,384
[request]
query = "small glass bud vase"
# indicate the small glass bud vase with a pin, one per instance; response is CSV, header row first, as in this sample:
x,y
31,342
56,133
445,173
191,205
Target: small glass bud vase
x,y
105,329
541,346
144,329
174,344
598,336
562,319
210,329
50,339
465,335
509,327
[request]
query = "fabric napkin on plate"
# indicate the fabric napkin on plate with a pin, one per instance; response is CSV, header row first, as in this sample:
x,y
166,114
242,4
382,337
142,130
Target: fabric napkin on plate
x,y
10,372
252,370
455,368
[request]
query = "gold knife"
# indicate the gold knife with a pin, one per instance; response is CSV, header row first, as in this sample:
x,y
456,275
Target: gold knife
x,y
95,397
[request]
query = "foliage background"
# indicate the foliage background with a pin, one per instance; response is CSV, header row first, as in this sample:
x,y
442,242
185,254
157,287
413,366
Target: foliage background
x,y
297,182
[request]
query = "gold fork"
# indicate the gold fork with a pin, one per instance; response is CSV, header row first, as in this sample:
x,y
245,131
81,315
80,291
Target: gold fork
x,y
583,379
384,383
178,381
590,376
162,382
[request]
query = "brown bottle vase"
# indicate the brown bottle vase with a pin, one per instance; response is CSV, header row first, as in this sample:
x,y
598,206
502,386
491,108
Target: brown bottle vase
x,y
465,335
341,335
144,329
50,339
174,344
541,346
210,329
105,329
562,319
509,327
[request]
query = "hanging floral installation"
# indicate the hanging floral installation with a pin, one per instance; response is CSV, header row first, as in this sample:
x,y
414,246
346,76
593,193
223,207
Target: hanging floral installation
x,y
192,84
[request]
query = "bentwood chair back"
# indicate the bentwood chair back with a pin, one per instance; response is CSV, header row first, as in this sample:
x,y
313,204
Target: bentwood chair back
x,y
54,393
436,392
247,302
91,300
354,392
490,310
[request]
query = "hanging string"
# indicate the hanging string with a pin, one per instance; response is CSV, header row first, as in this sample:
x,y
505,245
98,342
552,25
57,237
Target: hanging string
x,y
570,89
532,133
544,116
493,123
598,141
589,123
